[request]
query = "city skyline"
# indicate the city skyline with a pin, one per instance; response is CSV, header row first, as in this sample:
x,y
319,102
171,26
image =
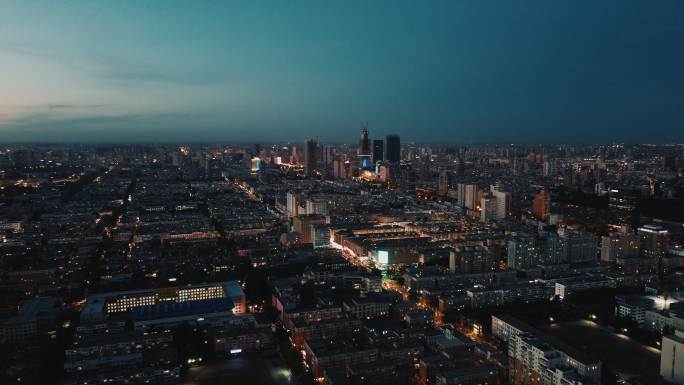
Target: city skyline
x,y
453,192
453,72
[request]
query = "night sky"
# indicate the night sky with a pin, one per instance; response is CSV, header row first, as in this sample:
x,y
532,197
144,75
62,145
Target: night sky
x,y
534,71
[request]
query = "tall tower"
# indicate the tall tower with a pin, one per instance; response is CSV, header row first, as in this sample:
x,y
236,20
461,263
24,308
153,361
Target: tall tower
x,y
392,148
310,149
443,183
364,142
378,150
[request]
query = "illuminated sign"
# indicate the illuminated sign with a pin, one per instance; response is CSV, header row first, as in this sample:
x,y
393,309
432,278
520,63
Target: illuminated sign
x,y
383,257
256,164
366,163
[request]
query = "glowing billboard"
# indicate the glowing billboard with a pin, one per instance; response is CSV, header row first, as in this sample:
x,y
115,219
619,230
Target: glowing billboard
x,y
383,257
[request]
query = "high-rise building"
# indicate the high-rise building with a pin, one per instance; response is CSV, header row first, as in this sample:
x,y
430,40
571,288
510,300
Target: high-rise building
x,y
617,246
364,143
328,156
293,204
301,224
317,205
622,207
310,151
443,183
387,172
471,259
653,241
472,194
392,148
295,157
468,195
503,202
550,168
577,246
672,358
523,251
378,153
339,169
460,167
518,166
488,208
541,205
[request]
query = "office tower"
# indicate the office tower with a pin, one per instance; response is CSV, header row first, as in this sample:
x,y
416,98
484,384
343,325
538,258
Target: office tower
x,y
364,150
622,206
364,143
672,358
378,152
443,183
392,148
541,205
310,150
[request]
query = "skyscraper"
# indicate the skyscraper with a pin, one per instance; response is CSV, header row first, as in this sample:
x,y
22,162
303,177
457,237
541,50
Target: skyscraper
x,y
310,150
392,148
378,150
364,143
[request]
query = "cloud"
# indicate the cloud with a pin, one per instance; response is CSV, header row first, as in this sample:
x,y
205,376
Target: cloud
x,y
67,106
116,69
40,126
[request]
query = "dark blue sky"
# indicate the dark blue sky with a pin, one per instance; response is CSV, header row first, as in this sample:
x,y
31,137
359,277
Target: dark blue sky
x,y
451,71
